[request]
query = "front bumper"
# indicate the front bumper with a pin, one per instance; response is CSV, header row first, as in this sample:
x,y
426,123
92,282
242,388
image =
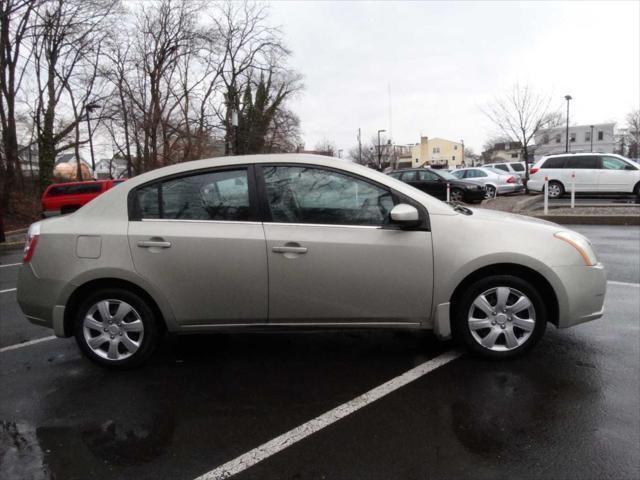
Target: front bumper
x,y
510,188
580,292
474,194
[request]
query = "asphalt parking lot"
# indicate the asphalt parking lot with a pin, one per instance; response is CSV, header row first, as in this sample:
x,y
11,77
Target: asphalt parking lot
x,y
568,409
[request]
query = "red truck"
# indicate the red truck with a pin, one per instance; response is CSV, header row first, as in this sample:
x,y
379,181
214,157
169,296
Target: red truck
x,y
62,198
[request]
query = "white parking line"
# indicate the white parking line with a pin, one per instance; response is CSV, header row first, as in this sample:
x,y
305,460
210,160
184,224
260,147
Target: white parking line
x,y
8,290
287,439
10,265
624,284
26,344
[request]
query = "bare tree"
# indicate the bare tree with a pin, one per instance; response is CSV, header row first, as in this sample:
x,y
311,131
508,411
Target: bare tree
x,y
247,45
68,36
521,113
283,135
633,133
326,147
15,27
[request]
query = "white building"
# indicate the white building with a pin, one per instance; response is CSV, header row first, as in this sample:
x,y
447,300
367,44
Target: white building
x,y
582,138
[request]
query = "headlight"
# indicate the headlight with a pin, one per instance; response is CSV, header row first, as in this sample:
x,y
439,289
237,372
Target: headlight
x,y
581,244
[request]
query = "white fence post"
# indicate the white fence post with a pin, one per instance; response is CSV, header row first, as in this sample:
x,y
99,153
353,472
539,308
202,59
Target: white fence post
x,y
573,189
546,195
448,191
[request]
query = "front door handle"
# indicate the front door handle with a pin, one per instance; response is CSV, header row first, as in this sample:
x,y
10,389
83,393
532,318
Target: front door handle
x,y
154,244
289,249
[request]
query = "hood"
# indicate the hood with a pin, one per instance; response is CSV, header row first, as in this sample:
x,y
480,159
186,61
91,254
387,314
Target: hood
x,y
506,217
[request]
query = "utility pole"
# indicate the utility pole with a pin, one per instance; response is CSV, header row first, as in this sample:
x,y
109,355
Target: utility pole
x,y
566,148
89,108
359,148
380,150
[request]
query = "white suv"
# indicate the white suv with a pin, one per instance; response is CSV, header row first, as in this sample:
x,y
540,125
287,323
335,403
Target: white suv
x,y
594,173
514,168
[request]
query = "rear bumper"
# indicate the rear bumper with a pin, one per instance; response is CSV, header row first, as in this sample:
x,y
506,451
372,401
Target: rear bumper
x,y
37,298
580,294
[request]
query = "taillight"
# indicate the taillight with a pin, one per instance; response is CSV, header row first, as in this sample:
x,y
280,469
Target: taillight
x,y
533,170
511,180
31,241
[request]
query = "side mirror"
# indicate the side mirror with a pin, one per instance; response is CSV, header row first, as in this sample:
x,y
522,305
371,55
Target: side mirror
x,y
405,215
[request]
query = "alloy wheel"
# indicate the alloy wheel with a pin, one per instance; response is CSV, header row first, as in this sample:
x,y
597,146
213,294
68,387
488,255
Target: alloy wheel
x,y
456,196
554,190
501,319
113,329
490,191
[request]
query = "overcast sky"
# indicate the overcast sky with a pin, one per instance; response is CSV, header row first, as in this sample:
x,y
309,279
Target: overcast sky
x,y
444,60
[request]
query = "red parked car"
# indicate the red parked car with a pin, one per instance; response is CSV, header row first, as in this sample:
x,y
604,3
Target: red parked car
x,y
62,198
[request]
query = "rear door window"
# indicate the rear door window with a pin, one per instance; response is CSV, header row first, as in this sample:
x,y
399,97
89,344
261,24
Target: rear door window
x,y
220,195
555,162
501,166
517,167
582,162
427,176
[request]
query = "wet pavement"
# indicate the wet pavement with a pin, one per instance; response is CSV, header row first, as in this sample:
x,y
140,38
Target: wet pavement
x,y
568,409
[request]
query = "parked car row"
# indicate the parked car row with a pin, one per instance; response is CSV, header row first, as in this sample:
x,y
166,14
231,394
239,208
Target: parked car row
x,y
469,185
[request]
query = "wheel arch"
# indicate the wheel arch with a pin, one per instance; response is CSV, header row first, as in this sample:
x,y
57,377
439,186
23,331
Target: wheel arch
x,y
521,271
81,292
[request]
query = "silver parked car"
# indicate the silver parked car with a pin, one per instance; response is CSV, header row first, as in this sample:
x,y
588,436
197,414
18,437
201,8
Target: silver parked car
x,y
296,240
495,182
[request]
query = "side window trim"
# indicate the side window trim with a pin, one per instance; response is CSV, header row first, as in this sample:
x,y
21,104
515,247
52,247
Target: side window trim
x,y
397,196
254,214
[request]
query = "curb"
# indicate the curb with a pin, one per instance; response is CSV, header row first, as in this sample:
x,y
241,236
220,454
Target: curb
x,y
591,219
11,246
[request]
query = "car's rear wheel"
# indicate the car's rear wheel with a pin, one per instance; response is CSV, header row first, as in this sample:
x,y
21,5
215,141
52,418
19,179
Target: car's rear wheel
x,y
116,328
499,316
456,195
490,191
556,190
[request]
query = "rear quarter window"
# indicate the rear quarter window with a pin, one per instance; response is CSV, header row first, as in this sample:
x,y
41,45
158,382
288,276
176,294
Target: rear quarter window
x,y
518,167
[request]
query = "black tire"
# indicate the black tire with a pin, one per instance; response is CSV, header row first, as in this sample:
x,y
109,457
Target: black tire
x,y
560,189
150,336
461,311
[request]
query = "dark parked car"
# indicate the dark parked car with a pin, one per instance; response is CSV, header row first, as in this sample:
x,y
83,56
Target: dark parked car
x,y
434,182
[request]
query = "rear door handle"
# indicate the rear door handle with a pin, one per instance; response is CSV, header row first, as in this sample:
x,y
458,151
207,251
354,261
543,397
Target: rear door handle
x,y
287,249
154,244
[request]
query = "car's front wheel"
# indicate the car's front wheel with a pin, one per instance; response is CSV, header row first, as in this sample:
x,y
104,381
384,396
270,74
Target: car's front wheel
x,y
499,316
116,328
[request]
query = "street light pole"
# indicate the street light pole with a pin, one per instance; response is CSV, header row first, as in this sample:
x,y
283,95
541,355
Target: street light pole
x,y
359,148
380,150
89,108
566,148
591,138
